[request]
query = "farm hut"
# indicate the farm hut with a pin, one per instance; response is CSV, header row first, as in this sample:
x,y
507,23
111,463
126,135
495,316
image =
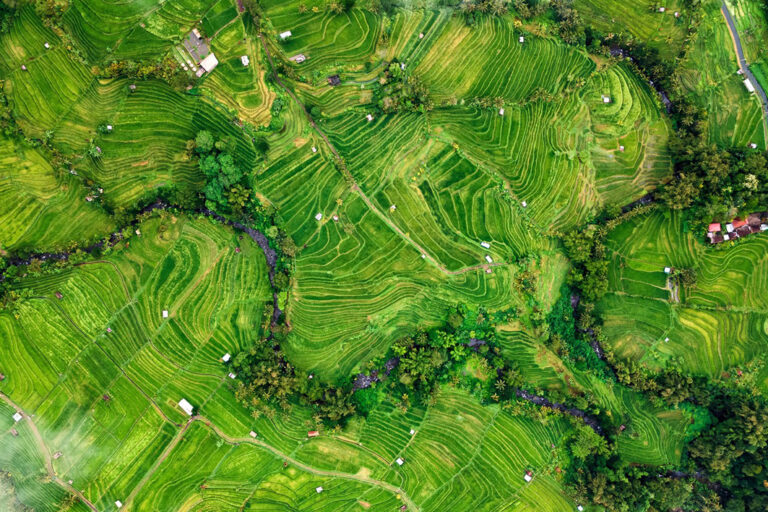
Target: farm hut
x,y
714,227
319,489
528,476
23,67
17,417
580,508
393,207
138,232
749,86
165,313
244,59
109,329
753,145
402,66
413,432
209,63
421,35
369,117
319,216
334,80
336,218
606,99
485,244
109,127
59,295
232,375
314,149
423,256
522,39
662,9
677,14
298,59
501,111
118,504
621,148
726,237
197,33
488,259
285,35
226,357
667,270
186,406
132,87
729,227
666,340
252,434
313,433
47,46
524,204
399,461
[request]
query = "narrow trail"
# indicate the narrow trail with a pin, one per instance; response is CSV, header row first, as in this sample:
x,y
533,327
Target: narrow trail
x,y
356,188
261,444
47,454
743,64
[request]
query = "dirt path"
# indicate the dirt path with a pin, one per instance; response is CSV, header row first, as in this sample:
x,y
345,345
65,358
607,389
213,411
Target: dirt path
x,y
47,454
287,458
356,188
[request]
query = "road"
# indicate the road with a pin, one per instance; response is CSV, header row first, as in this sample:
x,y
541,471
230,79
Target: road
x,y
743,61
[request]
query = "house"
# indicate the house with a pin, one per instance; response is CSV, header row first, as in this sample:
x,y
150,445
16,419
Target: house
x,y
763,227
314,149
165,313
726,237
232,375
729,227
369,117
714,227
662,9
226,357
501,111
399,461
402,66
524,204
677,14
336,218
209,63
753,145
580,508
423,256
186,406
488,259
252,434
244,59
749,86
196,33
522,39
421,35
485,244
334,80
667,270
59,295
606,99
285,35
118,504
319,216
23,67
313,433
737,223
528,476
621,148
393,208
318,490
17,417
413,432
109,127
298,59
47,46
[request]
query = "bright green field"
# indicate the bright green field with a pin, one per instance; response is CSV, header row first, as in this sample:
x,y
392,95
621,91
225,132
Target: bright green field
x,y
721,323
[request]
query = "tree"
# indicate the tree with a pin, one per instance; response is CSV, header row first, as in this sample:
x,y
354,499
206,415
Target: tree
x,y
204,142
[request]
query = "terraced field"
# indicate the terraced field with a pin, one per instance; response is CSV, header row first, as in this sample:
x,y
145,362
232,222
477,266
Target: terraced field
x,y
719,324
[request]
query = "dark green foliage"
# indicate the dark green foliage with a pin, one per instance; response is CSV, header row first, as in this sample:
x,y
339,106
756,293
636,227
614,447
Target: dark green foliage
x,y
365,400
398,91
586,250
167,69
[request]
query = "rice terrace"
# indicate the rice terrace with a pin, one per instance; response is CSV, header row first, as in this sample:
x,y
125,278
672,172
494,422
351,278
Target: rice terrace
x,y
384,255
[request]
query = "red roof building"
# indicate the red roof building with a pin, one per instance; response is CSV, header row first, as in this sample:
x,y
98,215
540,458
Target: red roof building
x,y
313,433
714,227
737,223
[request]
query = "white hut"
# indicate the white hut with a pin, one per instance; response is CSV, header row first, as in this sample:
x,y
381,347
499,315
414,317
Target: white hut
x,y
186,406
165,313
17,417
501,111
749,86
400,461
369,117
485,244
488,259
226,357
522,39
285,35
119,504
245,60
252,434
318,490
319,216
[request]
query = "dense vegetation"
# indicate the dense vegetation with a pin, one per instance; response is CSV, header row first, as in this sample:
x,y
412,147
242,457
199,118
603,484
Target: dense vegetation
x,y
393,257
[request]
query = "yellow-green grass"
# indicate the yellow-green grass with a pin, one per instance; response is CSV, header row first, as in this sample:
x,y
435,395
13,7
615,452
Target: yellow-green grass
x,y
41,210
61,360
719,324
709,73
654,435
640,19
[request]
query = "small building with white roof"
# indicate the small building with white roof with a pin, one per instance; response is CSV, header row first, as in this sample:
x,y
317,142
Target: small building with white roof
x,y
400,461
232,375
209,63
245,60
319,216
17,417
749,86
522,39
485,244
319,489
252,434
488,259
285,35
226,357
165,313
501,111
369,117
186,406
119,504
